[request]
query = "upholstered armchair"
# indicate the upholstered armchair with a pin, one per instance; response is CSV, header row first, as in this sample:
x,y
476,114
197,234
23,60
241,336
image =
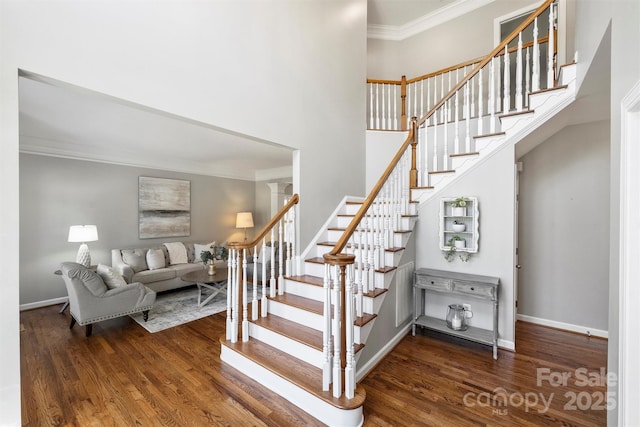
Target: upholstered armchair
x,y
91,301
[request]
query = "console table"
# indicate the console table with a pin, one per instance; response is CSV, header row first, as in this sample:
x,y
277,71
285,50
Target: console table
x,y
461,284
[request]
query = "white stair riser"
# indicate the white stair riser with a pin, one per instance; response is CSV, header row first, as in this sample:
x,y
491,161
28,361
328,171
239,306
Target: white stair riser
x,y
303,317
435,179
489,141
318,408
372,305
304,290
459,162
301,351
360,334
390,257
516,122
544,101
398,238
352,209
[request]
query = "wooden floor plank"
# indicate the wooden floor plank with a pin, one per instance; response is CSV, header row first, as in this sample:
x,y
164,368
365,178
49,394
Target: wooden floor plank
x,y
123,375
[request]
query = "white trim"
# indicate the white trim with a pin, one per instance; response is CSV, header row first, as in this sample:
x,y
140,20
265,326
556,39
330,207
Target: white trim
x,y
629,270
506,345
45,303
426,22
564,326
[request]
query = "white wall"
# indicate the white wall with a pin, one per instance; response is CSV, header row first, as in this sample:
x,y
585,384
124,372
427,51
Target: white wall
x,y
493,184
564,228
381,147
205,61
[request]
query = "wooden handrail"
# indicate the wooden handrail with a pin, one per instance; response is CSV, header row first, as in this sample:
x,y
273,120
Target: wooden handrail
x,y
277,217
346,235
486,60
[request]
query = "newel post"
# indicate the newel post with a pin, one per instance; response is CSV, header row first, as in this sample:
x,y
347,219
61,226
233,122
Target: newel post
x,y
342,333
413,177
403,103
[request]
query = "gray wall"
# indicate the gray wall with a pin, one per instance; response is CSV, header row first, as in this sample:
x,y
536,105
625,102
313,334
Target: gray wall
x,y
493,184
564,228
56,193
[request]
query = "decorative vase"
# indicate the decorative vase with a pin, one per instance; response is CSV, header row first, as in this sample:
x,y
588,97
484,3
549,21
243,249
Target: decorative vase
x,y
458,228
459,211
459,243
212,269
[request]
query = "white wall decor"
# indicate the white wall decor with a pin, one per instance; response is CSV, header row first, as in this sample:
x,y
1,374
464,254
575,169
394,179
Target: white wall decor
x,y
459,227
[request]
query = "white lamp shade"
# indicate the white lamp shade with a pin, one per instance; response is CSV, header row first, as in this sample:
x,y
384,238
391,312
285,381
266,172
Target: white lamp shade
x,y
83,233
244,220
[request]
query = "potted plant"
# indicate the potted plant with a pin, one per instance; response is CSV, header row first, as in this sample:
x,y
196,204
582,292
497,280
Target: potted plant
x,y
457,241
459,206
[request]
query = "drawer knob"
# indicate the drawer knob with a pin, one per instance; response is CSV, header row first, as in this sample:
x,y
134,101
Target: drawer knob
x,y
432,282
473,289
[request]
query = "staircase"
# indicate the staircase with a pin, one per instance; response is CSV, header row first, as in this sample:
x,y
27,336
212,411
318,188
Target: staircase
x,y
318,310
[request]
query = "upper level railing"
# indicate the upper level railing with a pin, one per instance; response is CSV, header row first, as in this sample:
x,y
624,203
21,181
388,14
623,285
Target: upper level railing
x,y
480,92
273,246
390,103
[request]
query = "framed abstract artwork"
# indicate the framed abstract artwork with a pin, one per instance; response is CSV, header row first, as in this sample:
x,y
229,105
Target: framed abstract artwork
x,y
164,207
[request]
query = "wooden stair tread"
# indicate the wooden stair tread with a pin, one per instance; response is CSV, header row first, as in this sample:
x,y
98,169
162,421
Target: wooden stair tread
x,y
428,187
308,279
343,229
549,89
473,153
443,171
295,331
300,373
488,135
303,303
315,260
364,319
375,292
515,113
332,244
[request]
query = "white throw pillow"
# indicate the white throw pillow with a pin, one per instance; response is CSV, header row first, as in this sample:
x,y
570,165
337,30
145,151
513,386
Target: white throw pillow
x,y
155,259
111,278
177,253
197,249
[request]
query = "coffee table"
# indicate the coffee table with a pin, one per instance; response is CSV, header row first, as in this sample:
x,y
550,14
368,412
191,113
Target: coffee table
x,y
216,283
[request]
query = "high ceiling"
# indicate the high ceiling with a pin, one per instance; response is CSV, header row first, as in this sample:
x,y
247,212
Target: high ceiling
x,y
59,119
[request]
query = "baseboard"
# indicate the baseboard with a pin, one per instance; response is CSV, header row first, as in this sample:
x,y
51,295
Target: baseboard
x,y
45,303
506,345
367,367
564,326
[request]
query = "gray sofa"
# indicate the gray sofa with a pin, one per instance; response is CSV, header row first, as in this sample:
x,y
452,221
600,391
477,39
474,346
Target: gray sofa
x,y
133,266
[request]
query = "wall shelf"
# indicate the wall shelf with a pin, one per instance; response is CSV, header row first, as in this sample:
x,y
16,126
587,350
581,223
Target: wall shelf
x,y
469,218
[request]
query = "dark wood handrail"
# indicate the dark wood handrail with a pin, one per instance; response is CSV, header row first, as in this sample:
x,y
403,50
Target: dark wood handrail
x,y
277,217
487,59
372,195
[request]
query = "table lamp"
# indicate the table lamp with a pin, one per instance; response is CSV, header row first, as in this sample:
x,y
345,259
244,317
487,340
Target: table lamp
x,y
244,220
83,234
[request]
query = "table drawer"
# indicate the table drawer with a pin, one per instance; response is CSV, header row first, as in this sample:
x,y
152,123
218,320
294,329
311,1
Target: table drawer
x,y
477,290
434,283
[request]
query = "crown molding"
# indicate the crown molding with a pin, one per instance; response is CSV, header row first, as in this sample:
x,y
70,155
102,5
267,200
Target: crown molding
x,y
423,23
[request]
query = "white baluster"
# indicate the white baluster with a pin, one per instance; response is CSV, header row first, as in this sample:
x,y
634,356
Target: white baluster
x,y
326,330
536,58
280,261
456,136
377,106
527,75
472,108
519,101
371,121
467,138
337,335
272,277
359,273
445,144
428,99
409,102
349,371
235,305
245,313
442,111
263,308
395,107
254,301
421,98
492,96
480,102
507,83
415,99
230,294
365,254
551,77
389,119
449,101
384,110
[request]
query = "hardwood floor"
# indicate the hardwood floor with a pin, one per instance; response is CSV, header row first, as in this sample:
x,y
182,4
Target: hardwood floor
x,y
122,375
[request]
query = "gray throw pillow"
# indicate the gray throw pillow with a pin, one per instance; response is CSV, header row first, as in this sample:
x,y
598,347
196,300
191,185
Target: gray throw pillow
x,y
136,259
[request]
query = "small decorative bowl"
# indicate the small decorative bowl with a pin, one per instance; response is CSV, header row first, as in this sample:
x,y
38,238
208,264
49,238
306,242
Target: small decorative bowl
x,y
458,227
